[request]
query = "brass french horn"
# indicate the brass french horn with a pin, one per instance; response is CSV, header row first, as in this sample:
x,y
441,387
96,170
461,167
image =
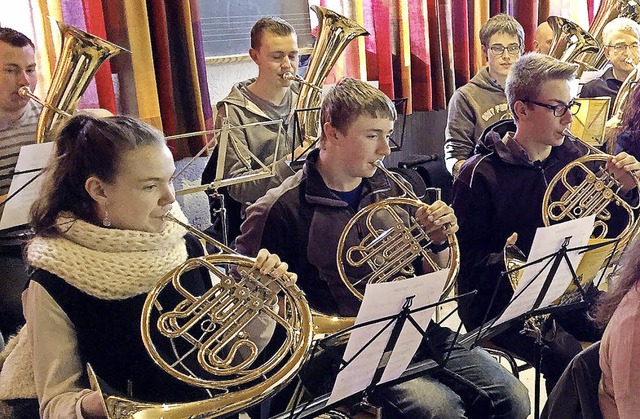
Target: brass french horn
x,y
80,58
208,331
582,188
390,242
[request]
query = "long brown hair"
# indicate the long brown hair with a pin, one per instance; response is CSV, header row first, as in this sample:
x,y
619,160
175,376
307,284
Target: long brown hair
x,y
85,146
625,278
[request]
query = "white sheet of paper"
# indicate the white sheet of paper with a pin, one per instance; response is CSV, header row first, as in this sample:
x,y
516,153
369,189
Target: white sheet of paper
x,y
548,240
16,211
382,300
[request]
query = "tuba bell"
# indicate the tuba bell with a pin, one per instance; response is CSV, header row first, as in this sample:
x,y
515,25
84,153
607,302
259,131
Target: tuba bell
x,y
334,34
195,337
570,41
80,57
391,240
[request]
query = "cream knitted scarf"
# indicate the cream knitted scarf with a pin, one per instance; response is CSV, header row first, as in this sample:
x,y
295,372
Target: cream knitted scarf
x,y
108,263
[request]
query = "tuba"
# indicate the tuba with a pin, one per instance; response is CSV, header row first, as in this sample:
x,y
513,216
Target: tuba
x,y
196,337
334,34
391,240
570,40
80,57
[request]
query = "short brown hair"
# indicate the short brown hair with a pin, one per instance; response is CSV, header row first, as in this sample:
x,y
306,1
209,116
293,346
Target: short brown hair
x,y
501,23
529,72
15,38
274,25
351,98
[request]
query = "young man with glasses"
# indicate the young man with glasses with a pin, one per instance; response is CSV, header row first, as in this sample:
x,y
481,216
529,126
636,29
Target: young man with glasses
x,y
498,197
620,39
481,102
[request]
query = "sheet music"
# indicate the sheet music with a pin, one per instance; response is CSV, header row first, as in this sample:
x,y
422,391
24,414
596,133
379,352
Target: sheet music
x,y
548,240
382,300
16,210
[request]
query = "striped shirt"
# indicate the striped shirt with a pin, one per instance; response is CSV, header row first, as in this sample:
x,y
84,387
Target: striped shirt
x,y
22,132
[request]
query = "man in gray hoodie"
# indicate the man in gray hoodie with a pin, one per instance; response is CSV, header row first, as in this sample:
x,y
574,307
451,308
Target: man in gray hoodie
x,y
481,102
269,97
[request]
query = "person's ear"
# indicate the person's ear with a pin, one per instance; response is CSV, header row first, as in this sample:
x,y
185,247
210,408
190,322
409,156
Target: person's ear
x,y
520,109
253,53
95,189
330,132
607,53
485,51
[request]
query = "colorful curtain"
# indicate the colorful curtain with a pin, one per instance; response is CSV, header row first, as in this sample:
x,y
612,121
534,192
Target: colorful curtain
x,y
162,80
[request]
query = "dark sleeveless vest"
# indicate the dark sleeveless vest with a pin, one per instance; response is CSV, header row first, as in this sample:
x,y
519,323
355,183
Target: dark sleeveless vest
x,y
109,338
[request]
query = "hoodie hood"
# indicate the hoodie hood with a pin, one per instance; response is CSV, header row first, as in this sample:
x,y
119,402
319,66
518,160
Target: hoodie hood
x,y
237,98
484,81
492,141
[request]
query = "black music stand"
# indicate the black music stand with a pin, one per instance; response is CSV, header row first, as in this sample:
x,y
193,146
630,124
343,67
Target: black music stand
x,y
487,329
318,405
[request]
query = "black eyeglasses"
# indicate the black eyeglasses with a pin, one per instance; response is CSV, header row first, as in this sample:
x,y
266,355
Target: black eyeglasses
x,y
498,49
558,110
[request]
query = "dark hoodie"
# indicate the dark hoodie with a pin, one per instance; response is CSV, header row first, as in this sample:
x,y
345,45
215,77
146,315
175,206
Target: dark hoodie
x,y
499,192
628,141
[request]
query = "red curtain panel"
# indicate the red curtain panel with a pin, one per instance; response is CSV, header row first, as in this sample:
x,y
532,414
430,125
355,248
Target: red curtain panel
x,y
460,33
526,12
94,18
163,69
420,56
382,27
435,46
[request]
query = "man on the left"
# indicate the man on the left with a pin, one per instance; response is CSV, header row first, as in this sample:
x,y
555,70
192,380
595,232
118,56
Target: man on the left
x,y
18,120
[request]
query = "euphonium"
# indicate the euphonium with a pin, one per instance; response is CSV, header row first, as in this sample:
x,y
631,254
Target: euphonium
x,y
391,240
195,336
80,57
570,40
334,34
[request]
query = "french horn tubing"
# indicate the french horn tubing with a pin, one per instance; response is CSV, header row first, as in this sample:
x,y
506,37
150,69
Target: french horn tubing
x,y
390,242
209,337
582,188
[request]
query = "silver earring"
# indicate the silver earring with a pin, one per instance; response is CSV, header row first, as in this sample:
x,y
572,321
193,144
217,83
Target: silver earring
x,y
106,221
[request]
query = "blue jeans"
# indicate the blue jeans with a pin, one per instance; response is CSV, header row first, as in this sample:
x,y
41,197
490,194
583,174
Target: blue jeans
x,y
431,396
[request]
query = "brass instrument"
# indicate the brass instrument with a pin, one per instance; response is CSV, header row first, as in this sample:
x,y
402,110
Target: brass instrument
x,y
392,241
334,34
206,333
582,188
570,40
80,57
624,94
598,192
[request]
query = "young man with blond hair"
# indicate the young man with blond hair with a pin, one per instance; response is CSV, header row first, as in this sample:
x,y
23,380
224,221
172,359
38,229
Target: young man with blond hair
x,y
302,221
498,199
